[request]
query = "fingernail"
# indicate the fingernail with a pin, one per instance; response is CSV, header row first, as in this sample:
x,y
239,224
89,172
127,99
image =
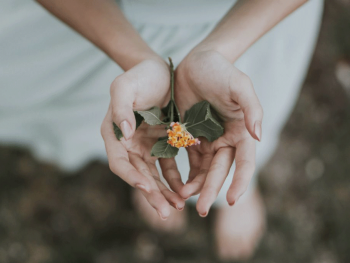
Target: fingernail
x,y
161,217
257,130
235,201
126,129
179,208
204,215
142,187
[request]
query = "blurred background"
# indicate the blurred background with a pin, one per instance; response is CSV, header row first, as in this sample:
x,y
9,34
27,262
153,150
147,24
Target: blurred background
x,y
50,216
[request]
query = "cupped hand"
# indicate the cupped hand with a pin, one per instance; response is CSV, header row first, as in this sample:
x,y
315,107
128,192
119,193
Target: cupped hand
x,y
140,88
207,75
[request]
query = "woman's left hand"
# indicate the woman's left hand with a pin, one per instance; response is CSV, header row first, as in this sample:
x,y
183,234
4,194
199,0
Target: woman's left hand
x,y
207,75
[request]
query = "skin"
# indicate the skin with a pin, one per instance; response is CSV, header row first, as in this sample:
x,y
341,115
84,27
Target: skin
x,y
146,74
209,65
210,162
130,158
104,24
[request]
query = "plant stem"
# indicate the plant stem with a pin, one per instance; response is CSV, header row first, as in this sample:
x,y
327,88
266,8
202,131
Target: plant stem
x,y
172,78
178,112
172,83
172,90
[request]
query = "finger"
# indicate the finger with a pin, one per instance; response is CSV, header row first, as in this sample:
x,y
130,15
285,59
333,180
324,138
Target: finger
x,y
118,158
171,173
195,160
154,197
245,166
197,183
173,198
244,94
122,100
217,174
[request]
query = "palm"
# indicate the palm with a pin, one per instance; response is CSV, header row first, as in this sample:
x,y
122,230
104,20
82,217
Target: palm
x,y
142,142
138,150
209,76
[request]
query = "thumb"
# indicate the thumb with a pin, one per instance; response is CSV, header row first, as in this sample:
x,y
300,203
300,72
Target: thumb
x,y
122,100
248,101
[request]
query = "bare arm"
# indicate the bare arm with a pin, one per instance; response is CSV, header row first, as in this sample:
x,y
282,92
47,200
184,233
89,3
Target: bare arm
x,y
245,23
103,23
207,73
146,74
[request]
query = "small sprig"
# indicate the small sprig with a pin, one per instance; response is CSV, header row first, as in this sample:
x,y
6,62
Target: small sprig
x,y
179,137
198,121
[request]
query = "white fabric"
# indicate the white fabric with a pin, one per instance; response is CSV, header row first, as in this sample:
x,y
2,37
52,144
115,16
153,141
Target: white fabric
x,y
54,85
175,13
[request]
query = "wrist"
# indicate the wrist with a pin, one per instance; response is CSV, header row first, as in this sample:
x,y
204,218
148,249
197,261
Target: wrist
x,y
131,56
230,50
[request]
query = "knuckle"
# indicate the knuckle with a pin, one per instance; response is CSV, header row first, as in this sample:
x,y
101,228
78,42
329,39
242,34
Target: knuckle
x,y
120,85
156,178
216,167
103,128
261,110
254,107
115,84
171,171
145,172
165,191
154,65
243,189
113,167
245,81
112,87
203,171
174,179
246,164
115,116
240,184
171,165
210,190
102,131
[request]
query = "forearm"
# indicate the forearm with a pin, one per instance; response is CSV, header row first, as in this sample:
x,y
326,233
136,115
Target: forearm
x,y
103,23
245,23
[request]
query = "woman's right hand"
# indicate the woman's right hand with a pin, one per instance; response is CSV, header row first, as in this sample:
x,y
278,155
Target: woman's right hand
x,y
145,85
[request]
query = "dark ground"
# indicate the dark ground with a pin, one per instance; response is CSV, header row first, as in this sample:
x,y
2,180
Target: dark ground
x,y
46,216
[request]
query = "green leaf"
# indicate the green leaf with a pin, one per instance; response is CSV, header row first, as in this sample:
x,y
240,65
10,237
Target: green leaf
x,y
162,149
118,133
167,112
138,118
201,122
151,116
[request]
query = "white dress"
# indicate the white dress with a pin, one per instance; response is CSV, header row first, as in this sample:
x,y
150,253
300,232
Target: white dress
x,y
54,84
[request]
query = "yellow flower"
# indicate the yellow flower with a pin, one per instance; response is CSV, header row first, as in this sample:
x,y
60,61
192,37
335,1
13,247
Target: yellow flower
x,y
178,136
